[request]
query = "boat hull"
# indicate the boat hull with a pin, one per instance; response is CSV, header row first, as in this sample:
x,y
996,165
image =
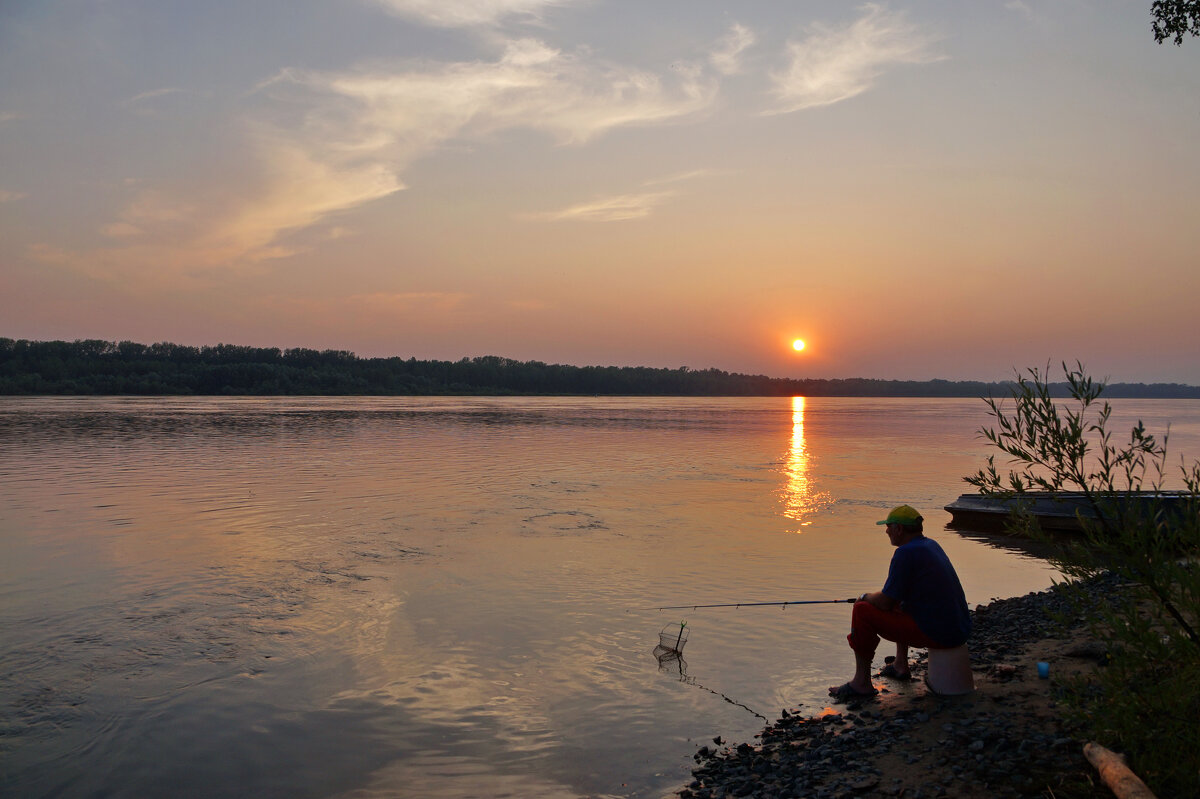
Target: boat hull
x,y
1060,511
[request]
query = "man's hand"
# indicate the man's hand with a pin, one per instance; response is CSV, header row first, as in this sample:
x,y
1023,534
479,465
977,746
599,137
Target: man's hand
x,y
880,600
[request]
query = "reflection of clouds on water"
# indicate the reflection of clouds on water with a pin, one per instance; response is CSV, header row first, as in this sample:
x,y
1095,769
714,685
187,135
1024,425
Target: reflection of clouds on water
x,y
469,723
801,500
448,717
460,696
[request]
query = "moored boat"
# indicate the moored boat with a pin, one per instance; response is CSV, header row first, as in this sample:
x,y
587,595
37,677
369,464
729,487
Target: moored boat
x,y
1054,510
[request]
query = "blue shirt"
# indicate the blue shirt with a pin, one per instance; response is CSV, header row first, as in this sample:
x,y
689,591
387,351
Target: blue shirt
x,y
922,579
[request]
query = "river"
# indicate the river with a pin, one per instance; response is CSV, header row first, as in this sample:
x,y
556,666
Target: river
x,y
352,597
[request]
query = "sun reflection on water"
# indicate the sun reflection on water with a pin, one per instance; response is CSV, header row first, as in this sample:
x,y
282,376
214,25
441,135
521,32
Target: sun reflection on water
x,y
801,500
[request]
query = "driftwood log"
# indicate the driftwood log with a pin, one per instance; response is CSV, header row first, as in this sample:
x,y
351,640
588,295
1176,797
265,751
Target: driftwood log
x,y
1116,775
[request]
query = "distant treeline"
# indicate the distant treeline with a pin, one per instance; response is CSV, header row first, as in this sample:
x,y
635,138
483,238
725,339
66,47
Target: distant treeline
x,y
106,367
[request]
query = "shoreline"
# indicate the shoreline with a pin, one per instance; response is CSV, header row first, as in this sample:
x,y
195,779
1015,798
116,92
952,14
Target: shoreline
x,y
1007,739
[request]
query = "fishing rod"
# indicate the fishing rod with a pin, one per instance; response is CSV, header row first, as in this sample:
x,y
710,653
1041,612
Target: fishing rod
x,y
756,604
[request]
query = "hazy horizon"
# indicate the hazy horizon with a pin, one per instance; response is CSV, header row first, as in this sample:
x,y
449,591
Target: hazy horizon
x,y
919,190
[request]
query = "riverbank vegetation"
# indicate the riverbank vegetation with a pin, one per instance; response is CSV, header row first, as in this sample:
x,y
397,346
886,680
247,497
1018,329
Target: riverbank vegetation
x,y
106,367
1145,703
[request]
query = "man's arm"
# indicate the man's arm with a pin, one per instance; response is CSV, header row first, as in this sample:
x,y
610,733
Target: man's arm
x,y
880,600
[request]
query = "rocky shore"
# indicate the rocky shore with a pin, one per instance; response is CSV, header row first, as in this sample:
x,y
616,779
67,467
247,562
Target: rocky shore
x,y
1007,739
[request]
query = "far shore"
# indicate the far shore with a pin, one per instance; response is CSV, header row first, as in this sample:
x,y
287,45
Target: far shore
x,y
127,368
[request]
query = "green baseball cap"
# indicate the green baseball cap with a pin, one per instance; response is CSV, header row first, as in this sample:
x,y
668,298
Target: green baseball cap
x,y
904,514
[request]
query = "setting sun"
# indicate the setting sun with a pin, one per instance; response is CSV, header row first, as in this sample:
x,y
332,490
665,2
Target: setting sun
x,y
798,344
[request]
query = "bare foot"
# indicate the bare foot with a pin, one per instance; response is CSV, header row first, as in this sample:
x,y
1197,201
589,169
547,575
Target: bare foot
x,y
890,670
850,690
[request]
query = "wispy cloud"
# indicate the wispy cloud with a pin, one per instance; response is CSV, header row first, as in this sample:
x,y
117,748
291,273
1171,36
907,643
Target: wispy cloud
x,y
149,209
7,196
151,95
622,207
329,142
1020,7
727,57
465,13
830,65
299,189
615,208
158,101
689,175
361,130
161,240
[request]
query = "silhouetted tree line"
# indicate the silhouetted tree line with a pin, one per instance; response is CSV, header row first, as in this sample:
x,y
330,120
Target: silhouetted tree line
x,y
105,367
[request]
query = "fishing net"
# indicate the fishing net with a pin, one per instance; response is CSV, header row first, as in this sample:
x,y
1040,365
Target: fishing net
x,y
671,640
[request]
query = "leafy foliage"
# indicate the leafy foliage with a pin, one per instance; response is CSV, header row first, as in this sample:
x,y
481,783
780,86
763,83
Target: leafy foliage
x,y
1151,687
1175,18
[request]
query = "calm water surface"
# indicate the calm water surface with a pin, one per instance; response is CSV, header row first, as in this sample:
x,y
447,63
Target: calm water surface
x,y
439,597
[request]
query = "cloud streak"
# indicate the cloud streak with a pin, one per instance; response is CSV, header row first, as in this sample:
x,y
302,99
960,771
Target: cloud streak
x,y
615,208
468,13
361,130
150,209
834,64
151,95
329,142
726,59
300,189
622,207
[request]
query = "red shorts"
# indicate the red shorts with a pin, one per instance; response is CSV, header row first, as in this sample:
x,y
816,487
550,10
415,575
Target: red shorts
x,y
868,624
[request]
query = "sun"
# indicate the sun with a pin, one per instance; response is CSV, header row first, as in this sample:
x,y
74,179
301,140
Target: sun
x,y
798,344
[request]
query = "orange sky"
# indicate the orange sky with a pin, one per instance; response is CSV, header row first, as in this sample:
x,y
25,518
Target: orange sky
x,y
918,189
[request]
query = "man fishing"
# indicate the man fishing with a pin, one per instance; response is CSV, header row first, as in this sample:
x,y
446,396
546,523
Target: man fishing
x,y
922,604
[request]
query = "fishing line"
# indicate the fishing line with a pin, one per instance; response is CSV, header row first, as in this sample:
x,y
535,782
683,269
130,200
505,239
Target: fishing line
x,y
669,651
671,640
687,679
